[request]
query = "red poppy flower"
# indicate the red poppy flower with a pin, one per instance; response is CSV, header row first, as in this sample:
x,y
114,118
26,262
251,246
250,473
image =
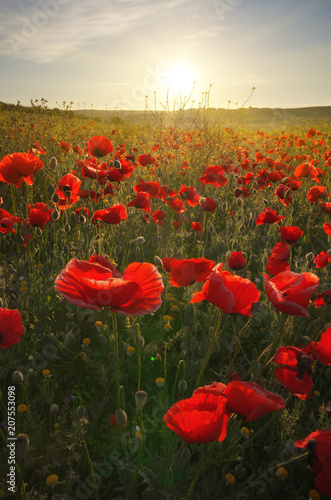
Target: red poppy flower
x,y
277,261
208,205
83,211
167,192
95,284
326,207
232,294
38,217
152,188
306,169
146,159
268,216
318,443
295,372
322,350
158,217
290,234
90,169
327,228
68,191
36,149
111,215
250,401
315,193
185,272
7,226
216,388
189,195
322,259
290,292
214,175
11,327
65,147
196,226
16,167
283,196
242,191
166,261
201,419
176,204
236,261
99,146
141,201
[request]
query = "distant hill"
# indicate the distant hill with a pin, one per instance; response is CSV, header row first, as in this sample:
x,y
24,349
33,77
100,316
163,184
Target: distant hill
x,y
266,118
254,117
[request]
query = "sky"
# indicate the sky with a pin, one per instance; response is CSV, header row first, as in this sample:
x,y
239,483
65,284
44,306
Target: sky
x,y
111,54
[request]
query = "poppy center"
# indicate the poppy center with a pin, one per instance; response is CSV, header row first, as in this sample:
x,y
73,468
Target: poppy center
x,y
304,366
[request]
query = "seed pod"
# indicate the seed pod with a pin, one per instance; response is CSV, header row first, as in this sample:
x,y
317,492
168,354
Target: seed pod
x,y
21,445
81,412
117,249
54,409
140,398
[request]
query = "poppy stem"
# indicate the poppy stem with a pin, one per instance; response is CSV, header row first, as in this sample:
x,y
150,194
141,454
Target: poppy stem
x,y
211,345
236,351
117,362
275,342
181,363
200,469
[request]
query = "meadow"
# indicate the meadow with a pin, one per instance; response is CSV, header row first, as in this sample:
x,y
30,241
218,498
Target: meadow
x,y
141,262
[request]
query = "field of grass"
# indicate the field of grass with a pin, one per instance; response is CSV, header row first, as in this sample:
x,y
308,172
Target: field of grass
x,y
75,371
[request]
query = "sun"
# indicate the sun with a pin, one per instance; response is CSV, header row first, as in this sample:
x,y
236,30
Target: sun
x,y
180,81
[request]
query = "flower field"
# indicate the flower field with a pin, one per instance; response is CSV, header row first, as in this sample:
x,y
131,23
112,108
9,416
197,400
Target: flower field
x,y
165,310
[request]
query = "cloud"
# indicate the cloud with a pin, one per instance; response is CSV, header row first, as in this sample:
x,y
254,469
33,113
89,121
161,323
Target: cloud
x,y
47,30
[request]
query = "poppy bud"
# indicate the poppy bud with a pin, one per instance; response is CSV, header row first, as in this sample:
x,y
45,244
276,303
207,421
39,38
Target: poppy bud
x,y
67,228
253,258
158,262
140,398
239,202
53,162
242,228
175,251
185,234
82,219
21,445
55,198
51,189
65,249
117,249
182,386
140,239
141,341
17,377
228,255
309,257
121,418
234,245
55,214
211,228
117,164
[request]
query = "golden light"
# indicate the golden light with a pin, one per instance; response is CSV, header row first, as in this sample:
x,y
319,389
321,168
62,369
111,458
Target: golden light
x,y
180,81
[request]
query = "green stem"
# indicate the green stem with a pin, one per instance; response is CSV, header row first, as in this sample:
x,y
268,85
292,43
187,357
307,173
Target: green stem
x,y
200,469
181,363
210,348
236,351
273,346
117,361
96,494
141,451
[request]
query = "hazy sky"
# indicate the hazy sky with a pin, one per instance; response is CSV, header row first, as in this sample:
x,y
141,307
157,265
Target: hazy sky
x,y
112,53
